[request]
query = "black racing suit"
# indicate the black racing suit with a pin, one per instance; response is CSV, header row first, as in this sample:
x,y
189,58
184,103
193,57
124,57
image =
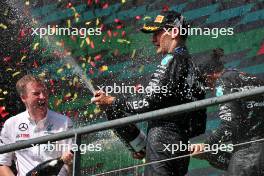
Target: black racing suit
x,y
176,81
241,121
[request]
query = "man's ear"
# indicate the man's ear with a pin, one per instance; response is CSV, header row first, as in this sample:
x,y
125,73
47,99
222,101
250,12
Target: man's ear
x,y
23,98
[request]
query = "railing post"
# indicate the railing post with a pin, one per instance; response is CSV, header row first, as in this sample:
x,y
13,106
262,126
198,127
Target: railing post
x,y
77,156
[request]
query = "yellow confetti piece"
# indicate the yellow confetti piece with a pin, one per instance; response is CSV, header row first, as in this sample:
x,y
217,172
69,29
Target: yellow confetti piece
x,y
83,65
97,22
91,116
75,81
88,40
58,102
5,92
68,94
89,59
133,53
97,110
69,23
42,74
59,70
22,58
104,68
88,23
141,68
85,112
123,1
74,96
146,18
3,26
9,69
36,46
63,78
68,66
123,41
16,73
59,43
82,43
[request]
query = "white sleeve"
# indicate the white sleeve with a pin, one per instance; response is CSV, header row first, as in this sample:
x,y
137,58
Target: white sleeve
x,y
5,138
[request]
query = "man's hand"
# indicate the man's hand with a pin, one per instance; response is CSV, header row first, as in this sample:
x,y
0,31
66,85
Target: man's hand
x,y
197,150
101,99
139,155
67,158
6,171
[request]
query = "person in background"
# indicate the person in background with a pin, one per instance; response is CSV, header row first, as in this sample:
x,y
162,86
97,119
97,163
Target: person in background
x,y
36,121
241,120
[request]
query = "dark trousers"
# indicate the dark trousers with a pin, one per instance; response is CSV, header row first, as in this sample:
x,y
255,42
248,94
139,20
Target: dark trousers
x,y
157,137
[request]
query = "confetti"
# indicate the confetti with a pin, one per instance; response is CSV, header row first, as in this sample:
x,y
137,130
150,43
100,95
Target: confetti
x,y
15,74
123,33
97,21
82,43
59,70
22,58
7,59
75,96
68,23
138,17
141,68
9,69
105,5
109,33
88,41
133,53
92,45
3,26
98,57
88,23
123,41
146,18
104,68
92,63
69,5
35,64
35,46
97,110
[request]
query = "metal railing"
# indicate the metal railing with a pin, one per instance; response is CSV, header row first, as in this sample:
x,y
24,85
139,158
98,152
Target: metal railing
x,y
174,110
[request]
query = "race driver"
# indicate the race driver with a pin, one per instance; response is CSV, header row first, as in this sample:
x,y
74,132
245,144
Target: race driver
x,y
176,72
36,121
242,121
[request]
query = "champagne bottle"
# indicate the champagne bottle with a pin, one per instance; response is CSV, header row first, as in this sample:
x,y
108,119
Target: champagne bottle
x,y
48,168
130,135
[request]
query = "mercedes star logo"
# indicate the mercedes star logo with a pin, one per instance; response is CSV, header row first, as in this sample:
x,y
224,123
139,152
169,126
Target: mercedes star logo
x,y
23,127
